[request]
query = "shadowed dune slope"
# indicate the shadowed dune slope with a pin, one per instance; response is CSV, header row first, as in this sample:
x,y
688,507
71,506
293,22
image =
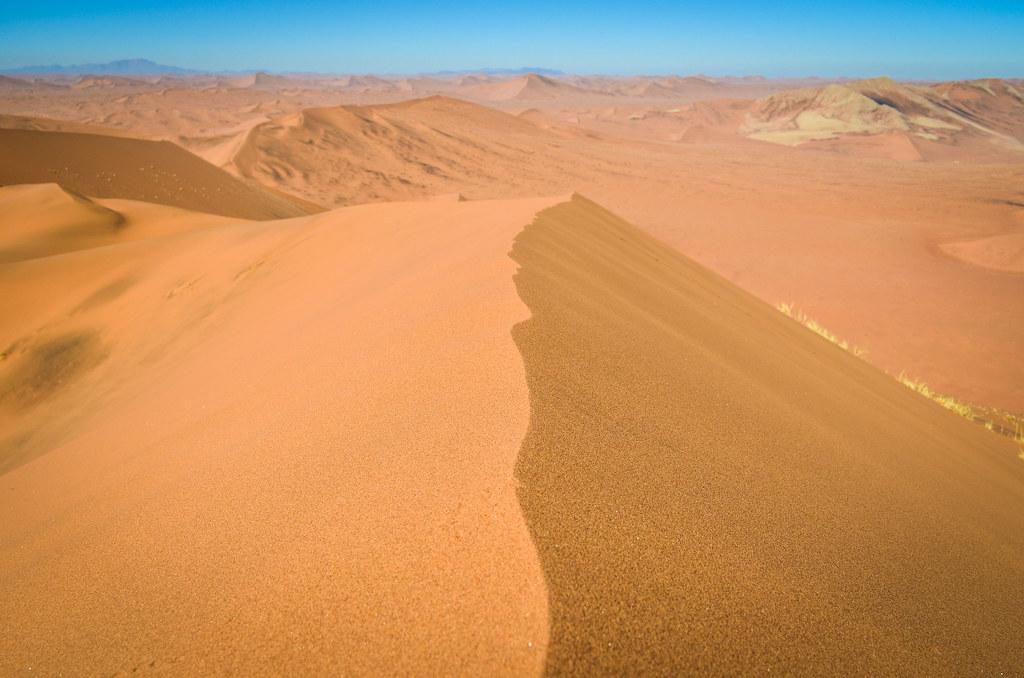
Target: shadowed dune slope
x,y
715,490
281,448
115,167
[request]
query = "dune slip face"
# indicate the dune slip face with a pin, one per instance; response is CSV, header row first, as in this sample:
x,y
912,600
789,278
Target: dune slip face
x,y
713,489
281,448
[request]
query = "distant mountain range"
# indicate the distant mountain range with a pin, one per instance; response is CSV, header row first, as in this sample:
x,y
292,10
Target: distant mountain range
x,y
129,67
122,67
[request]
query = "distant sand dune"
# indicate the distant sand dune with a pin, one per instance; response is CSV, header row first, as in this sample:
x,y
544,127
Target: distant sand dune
x,y
114,167
353,154
530,87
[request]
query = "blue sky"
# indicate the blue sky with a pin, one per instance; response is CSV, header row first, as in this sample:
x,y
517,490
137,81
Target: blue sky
x,y
922,39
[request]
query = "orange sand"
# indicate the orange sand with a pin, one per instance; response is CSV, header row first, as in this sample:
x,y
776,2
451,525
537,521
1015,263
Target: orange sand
x,y
271,448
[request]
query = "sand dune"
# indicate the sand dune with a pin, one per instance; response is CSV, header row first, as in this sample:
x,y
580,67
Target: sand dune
x,y
355,154
114,167
368,83
672,87
42,220
715,491
295,447
276,447
186,109
530,87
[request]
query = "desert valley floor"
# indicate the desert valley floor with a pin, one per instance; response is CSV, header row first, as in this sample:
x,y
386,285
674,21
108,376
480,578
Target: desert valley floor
x,y
478,374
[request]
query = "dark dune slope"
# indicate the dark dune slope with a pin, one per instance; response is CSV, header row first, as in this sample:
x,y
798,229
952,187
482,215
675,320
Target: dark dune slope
x,y
715,490
116,167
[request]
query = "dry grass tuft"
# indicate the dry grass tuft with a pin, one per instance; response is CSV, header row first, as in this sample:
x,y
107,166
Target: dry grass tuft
x,y
949,402
814,326
997,421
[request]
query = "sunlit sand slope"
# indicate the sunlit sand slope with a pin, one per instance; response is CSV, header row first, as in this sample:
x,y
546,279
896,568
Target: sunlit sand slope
x,y
41,220
279,448
715,490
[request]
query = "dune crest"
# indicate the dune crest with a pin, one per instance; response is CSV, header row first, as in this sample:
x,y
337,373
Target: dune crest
x,y
43,220
38,220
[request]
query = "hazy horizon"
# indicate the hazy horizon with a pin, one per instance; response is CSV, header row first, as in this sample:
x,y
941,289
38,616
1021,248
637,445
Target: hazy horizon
x,y
916,40
74,69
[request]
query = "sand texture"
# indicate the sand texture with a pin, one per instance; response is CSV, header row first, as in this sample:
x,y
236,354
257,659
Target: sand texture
x,y
271,448
714,490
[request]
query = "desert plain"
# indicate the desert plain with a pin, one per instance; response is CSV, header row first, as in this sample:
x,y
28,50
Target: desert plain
x,y
511,374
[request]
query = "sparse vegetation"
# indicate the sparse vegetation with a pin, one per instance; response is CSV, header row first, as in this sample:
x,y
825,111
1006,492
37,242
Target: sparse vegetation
x,y
949,402
997,421
813,325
